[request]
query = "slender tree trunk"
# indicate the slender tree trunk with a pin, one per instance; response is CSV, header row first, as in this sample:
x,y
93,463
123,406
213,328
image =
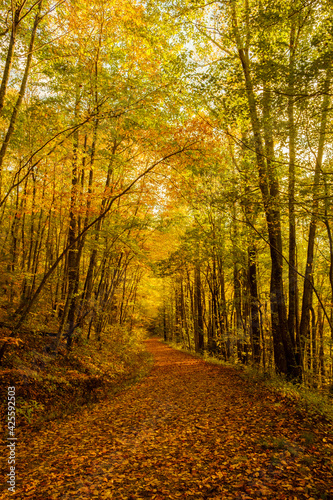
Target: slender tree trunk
x,y
184,315
283,349
292,314
254,303
224,324
239,333
10,53
93,257
308,280
73,260
330,241
21,93
199,335
321,363
217,326
279,316
165,331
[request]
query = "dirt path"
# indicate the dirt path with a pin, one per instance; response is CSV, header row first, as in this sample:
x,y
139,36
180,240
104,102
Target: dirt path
x,y
188,430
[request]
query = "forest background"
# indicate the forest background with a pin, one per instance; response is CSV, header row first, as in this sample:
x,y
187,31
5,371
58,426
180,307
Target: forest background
x,y
166,165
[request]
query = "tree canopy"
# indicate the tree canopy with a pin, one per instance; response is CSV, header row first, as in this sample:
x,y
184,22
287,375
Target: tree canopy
x,y
170,164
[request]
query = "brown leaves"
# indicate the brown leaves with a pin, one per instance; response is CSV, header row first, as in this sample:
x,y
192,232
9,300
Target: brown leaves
x,y
12,341
188,431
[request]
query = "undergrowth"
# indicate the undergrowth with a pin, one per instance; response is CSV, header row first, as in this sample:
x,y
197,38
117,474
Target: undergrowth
x,y
312,401
50,386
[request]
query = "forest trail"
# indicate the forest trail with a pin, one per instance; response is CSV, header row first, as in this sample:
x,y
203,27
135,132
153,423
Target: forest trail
x,y
189,430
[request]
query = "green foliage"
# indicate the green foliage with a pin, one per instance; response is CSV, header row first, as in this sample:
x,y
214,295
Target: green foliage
x,y
29,409
314,402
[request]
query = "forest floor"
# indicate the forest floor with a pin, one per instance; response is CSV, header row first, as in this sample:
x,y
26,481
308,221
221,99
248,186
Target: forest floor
x,y
188,430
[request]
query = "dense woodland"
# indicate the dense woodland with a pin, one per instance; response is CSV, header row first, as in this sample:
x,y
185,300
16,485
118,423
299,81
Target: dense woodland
x,y
170,163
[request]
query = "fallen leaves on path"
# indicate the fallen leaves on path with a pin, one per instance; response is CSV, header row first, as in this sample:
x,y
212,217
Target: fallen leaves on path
x,y
189,430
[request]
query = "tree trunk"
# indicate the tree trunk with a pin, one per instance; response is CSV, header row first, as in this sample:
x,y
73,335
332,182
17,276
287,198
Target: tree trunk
x,y
10,54
73,260
308,279
254,304
198,334
283,349
292,314
21,93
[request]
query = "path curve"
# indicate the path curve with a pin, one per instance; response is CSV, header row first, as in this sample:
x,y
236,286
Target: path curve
x,y
189,430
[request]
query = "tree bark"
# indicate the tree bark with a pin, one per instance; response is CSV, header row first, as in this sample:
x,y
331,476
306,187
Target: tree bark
x,y
283,350
254,304
199,335
308,275
292,271
10,53
19,100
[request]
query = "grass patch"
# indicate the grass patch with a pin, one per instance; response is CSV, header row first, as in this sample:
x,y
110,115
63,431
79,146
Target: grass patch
x,y
278,444
313,402
204,356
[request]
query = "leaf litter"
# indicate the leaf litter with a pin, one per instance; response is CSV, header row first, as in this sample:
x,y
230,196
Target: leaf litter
x,y
189,430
